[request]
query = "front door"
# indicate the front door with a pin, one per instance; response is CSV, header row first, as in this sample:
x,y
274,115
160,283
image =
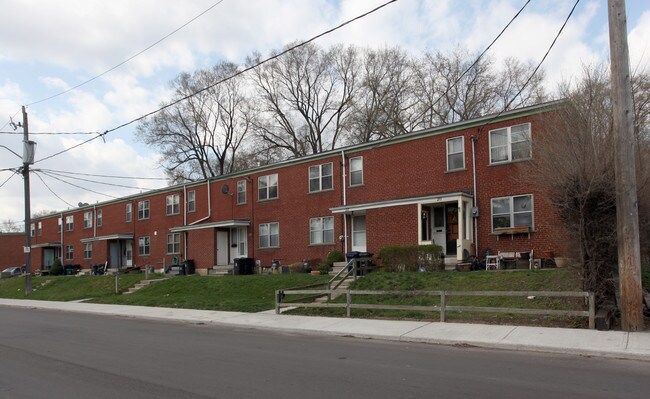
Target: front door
x,y
48,257
238,242
222,248
439,231
128,253
451,211
115,255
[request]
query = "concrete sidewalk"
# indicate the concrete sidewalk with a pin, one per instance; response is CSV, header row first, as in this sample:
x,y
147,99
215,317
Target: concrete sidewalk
x,y
614,344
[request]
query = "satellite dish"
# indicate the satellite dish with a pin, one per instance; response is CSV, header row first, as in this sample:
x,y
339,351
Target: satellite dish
x,y
225,189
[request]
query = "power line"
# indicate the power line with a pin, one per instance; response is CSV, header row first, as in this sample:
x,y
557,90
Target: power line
x,y
130,58
10,120
9,178
226,79
52,191
50,133
50,173
107,176
79,187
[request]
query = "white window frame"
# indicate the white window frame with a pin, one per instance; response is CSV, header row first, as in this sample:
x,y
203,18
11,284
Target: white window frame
x,y
509,144
144,246
450,153
173,243
317,175
88,250
266,235
69,223
191,201
319,233
241,192
265,193
129,212
512,212
59,225
32,230
173,204
143,210
69,252
356,170
39,228
100,217
88,220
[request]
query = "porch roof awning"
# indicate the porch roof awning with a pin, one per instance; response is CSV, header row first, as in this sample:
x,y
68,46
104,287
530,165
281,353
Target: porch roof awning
x,y
47,245
429,199
211,225
119,236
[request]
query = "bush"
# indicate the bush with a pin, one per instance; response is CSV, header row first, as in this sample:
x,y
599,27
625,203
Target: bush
x,y
334,256
410,258
324,268
57,268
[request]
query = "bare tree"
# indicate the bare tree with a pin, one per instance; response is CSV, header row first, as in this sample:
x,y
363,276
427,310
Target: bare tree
x,y
199,136
9,226
304,97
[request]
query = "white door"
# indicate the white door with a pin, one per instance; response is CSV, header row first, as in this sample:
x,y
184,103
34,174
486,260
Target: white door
x,y
439,231
222,248
239,242
359,233
128,253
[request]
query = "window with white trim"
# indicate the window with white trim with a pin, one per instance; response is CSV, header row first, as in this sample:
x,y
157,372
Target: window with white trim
x,y
59,225
143,246
69,223
129,212
191,201
269,235
510,143
173,203
173,243
100,217
320,177
356,171
267,187
456,153
69,252
88,219
241,192
512,211
32,230
88,250
321,230
40,228
143,210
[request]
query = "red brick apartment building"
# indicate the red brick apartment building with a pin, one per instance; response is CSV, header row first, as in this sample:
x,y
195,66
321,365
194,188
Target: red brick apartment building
x,y
455,185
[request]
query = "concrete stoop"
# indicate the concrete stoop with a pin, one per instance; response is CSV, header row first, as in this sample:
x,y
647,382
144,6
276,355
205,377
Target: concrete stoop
x,y
221,270
340,290
142,284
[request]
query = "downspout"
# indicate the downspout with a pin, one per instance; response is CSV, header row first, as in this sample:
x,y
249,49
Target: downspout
x,y
475,202
345,202
95,221
61,248
185,221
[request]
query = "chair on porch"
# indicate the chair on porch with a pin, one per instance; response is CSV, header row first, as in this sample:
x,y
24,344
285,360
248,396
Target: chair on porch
x,y
492,262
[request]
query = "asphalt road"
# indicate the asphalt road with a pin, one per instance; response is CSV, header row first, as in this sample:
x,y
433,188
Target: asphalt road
x,y
49,354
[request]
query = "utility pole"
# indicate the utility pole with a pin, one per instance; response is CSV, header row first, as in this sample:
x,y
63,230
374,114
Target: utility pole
x,y
627,213
28,158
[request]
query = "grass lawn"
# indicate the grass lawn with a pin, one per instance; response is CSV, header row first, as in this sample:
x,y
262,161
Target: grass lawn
x,y
66,288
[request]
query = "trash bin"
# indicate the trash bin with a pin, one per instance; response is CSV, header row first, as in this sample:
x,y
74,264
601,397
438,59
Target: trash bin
x,y
244,266
189,266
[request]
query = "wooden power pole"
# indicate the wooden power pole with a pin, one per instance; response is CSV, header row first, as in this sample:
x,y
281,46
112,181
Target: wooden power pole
x,y
28,154
627,214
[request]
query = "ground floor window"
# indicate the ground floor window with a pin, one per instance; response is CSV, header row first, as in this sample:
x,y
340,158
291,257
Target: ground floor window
x,y
321,230
269,235
143,246
69,252
174,243
359,233
512,211
88,250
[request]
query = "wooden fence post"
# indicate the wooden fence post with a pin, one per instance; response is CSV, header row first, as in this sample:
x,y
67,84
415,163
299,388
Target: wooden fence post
x,y
443,303
348,302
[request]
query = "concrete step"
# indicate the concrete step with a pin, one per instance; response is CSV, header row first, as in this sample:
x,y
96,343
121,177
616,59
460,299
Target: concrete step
x,y
142,284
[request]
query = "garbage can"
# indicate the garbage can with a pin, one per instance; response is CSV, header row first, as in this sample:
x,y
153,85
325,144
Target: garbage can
x,y
238,267
190,268
244,266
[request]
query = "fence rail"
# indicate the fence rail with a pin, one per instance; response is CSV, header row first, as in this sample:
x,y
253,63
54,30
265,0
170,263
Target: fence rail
x,y
443,307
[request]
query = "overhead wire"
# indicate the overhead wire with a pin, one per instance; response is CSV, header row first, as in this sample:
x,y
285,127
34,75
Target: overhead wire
x,y
9,178
49,173
130,58
49,133
52,191
77,186
107,176
271,58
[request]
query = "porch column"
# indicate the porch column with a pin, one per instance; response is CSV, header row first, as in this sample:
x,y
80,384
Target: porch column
x,y
461,229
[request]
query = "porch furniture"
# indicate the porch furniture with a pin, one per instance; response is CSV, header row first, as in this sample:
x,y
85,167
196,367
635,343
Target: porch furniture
x,y
492,262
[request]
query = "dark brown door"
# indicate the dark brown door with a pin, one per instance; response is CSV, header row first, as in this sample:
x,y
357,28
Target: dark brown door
x,y
451,211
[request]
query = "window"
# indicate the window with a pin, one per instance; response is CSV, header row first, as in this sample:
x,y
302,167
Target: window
x,y
510,143
512,211
129,212
174,243
69,252
241,192
59,223
173,204
143,246
455,153
143,210
321,230
32,230
69,223
100,217
269,235
40,228
88,220
359,233
320,177
191,201
88,250
356,171
267,187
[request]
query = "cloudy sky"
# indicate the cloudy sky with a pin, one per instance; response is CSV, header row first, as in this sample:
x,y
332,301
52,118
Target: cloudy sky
x,y
50,46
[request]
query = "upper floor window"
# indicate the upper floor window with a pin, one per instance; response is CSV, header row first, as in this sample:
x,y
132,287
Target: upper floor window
x,y
455,153
269,235
59,222
173,204
143,210
40,228
320,177
510,143
512,211
241,192
88,219
129,212
356,171
100,217
321,230
267,187
32,230
174,243
191,201
69,223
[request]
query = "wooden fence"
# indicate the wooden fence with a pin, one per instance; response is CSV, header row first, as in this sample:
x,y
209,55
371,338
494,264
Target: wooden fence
x,y
280,301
